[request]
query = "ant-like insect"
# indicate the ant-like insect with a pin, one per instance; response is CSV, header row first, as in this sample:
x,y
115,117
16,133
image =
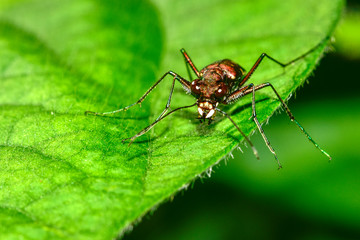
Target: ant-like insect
x,y
220,82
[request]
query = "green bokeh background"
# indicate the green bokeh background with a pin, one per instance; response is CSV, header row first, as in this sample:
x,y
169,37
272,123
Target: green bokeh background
x,y
309,198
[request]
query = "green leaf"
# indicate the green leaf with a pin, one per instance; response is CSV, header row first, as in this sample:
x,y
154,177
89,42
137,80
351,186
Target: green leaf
x,y
64,175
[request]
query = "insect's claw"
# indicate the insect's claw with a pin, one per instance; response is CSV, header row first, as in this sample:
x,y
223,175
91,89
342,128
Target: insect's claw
x,y
279,164
252,117
126,139
255,153
330,158
89,112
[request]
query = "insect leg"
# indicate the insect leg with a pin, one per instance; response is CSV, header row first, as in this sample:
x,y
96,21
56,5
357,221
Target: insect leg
x,y
236,95
263,55
161,117
184,83
291,116
169,100
254,116
189,62
241,132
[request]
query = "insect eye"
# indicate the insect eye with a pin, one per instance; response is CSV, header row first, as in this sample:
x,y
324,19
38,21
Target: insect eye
x,y
221,91
195,87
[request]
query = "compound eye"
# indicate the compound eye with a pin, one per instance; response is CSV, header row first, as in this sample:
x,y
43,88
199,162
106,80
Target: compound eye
x,y
221,91
195,87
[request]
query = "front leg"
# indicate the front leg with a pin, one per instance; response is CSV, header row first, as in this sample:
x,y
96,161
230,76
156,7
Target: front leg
x,y
186,85
161,117
233,97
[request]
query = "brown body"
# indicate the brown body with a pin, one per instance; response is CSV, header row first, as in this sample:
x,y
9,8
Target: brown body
x,y
226,69
217,81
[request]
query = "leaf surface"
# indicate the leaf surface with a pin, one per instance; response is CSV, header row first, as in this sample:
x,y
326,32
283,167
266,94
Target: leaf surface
x,y
64,175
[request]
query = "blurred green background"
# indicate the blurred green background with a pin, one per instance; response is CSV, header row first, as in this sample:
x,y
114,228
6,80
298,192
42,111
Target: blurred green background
x,y
309,198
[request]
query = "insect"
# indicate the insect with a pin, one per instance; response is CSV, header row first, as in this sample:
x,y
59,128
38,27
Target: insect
x,y
222,82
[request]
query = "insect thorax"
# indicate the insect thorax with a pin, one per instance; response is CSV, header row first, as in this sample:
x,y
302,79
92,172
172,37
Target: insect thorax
x,y
223,70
